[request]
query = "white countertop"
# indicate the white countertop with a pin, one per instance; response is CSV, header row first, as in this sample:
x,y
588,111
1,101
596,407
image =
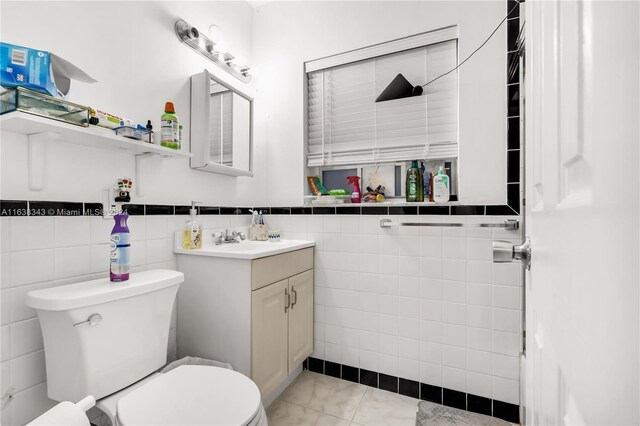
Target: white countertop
x,y
243,250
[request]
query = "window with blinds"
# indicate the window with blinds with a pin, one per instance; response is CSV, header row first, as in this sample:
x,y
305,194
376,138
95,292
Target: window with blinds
x,y
347,127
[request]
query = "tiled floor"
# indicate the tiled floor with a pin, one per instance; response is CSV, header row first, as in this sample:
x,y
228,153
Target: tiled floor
x,y
316,399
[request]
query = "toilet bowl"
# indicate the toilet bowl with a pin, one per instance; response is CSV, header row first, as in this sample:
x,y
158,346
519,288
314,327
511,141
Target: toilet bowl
x,y
107,340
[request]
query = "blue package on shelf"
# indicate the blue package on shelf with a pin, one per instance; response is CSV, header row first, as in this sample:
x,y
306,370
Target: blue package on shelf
x,y
38,70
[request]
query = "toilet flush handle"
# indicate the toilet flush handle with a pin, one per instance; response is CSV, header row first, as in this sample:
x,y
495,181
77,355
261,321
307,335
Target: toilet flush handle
x,y
93,320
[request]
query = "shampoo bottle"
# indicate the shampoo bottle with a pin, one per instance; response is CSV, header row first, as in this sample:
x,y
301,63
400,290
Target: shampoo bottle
x,y
192,238
119,257
441,186
414,190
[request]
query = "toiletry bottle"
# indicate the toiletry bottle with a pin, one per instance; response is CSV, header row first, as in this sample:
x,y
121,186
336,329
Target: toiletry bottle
x,y
414,191
356,195
149,127
431,175
119,257
425,180
192,238
441,186
169,127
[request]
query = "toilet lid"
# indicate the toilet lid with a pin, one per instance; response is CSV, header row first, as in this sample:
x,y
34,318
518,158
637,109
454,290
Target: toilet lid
x,y
192,395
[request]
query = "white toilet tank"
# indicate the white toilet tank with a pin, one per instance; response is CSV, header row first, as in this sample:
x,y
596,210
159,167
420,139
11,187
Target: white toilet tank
x,y
127,342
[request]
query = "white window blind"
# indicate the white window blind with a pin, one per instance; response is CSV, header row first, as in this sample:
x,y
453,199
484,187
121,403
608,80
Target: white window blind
x,y
221,128
346,126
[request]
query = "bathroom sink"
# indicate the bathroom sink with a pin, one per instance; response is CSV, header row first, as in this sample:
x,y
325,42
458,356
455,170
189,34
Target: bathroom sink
x,y
243,249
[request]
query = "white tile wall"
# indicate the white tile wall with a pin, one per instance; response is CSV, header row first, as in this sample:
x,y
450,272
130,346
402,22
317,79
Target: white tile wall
x,y
425,303
41,252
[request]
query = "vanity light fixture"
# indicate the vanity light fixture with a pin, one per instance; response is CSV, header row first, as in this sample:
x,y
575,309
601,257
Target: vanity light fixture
x,y
202,44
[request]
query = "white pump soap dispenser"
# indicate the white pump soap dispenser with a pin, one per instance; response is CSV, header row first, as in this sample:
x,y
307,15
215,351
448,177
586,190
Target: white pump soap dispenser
x,y
192,238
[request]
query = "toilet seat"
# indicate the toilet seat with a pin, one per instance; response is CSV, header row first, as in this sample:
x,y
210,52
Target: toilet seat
x,y
192,395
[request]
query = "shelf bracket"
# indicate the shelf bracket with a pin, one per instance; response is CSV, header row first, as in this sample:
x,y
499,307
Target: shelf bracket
x,y
35,158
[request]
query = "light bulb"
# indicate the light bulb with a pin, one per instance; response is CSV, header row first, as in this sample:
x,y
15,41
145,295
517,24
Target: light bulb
x,y
215,33
222,48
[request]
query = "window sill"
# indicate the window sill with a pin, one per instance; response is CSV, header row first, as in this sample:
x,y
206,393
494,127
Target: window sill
x,y
388,203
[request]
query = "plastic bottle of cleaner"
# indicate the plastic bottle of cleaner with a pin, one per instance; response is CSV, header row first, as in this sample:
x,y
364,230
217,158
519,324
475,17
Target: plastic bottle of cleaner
x,y
441,186
414,192
169,127
119,265
192,238
356,195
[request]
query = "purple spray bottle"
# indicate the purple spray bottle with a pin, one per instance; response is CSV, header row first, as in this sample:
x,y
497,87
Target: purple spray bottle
x,y
119,269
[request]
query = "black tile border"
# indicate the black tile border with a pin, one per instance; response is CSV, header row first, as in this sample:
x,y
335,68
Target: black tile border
x,y
154,210
387,382
332,369
513,133
375,210
134,209
467,210
322,210
431,393
205,210
479,404
92,209
403,210
55,208
11,208
506,411
409,388
368,378
183,210
350,374
435,210
301,210
454,398
280,210
316,365
348,210
415,389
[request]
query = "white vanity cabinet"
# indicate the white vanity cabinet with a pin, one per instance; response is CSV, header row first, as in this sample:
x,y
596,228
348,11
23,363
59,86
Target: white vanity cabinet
x,y
256,314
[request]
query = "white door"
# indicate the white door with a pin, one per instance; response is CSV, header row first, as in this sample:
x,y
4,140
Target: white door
x,y
582,160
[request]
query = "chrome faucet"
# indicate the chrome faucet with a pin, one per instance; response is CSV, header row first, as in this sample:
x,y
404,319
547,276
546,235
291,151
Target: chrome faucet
x,y
227,238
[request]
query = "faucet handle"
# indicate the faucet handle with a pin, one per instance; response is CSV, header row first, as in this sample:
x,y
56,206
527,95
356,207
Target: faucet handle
x,y
242,236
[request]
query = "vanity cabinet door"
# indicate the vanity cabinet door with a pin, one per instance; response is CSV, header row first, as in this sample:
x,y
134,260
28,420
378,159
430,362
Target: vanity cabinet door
x,y
300,318
269,336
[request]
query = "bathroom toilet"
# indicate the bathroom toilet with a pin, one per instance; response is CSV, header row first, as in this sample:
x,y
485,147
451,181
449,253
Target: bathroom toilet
x,y
109,339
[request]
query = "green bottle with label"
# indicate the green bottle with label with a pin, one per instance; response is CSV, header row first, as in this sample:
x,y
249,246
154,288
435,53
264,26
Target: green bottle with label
x,y
414,184
169,127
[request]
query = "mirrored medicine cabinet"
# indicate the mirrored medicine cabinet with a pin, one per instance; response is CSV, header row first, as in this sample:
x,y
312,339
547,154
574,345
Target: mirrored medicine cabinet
x,y
221,127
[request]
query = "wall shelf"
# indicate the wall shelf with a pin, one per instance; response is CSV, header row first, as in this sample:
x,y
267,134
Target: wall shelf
x,y
27,124
41,130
